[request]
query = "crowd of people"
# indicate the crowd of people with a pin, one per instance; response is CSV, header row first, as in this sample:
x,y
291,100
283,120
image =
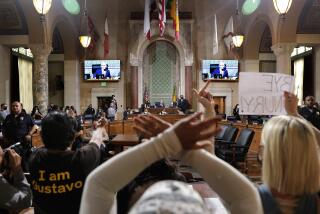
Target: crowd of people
x,y
142,179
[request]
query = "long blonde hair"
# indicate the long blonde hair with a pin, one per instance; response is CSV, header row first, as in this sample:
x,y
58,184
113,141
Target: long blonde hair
x,y
291,156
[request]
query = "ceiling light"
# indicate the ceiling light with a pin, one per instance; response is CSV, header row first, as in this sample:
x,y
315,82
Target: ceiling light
x,y
72,6
249,6
282,6
42,6
237,37
84,37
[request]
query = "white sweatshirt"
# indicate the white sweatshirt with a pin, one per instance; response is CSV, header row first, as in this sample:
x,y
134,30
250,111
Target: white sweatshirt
x,y
106,180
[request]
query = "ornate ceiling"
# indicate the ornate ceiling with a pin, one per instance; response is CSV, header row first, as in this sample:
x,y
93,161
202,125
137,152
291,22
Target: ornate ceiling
x,y
266,41
309,21
12,20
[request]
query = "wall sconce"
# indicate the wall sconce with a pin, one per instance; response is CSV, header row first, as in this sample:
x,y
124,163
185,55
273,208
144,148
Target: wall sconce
x,y
237,40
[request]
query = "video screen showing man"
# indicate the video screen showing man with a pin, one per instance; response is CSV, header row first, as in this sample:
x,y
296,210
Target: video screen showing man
x,y
225,73
97,71
107,72
214,71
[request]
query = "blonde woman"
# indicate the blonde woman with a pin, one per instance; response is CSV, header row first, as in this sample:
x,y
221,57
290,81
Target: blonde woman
x,y
291,167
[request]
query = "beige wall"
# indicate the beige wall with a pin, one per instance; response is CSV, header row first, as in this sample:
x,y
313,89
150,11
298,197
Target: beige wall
x,y
4,74
55,96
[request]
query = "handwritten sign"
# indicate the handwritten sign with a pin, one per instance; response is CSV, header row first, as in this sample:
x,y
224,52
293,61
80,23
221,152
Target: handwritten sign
x,y
262,93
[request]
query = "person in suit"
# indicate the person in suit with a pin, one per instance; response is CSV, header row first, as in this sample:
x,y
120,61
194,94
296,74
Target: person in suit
x,y
225,71
183,104
108,74
310,112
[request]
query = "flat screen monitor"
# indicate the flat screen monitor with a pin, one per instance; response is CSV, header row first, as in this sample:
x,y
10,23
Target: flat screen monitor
x,y
102,70
225,70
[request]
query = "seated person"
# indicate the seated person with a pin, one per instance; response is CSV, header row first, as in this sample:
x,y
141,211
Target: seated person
x,y
159,104
126,113
15,190
183,104
110,177
57,173
235,112
36,114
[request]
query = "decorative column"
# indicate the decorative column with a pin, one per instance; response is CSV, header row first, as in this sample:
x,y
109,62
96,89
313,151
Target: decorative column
x,y
283,53
40,79
188,83
134,87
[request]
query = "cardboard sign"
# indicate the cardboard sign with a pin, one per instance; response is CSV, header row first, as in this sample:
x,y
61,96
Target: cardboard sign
x,y
262,93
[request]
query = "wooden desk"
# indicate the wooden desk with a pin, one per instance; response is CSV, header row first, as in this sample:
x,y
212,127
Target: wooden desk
x,y
125,140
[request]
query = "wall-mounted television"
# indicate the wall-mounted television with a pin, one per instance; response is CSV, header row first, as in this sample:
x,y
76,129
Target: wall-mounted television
x,y
102,70
223,70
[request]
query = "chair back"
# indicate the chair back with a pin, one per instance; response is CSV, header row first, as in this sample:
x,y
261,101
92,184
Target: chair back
x,y
230,134
223,130
245,138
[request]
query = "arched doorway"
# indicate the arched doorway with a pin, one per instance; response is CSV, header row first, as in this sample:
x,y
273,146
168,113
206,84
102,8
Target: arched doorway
x,y
161,71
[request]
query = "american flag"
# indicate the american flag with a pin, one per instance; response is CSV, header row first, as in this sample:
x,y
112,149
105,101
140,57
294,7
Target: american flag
x,y
161,4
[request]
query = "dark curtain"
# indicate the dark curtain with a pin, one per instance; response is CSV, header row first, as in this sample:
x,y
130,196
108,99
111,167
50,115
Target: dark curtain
x,y
308,79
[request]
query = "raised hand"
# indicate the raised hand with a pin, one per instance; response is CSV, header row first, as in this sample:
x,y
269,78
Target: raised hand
x,y
102,122
149,126
14,161
206,100
191,131
291,103
1,156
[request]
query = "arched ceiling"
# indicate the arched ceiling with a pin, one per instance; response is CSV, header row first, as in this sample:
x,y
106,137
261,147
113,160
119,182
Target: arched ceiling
x,y
12,20
266,41
309,20
57,42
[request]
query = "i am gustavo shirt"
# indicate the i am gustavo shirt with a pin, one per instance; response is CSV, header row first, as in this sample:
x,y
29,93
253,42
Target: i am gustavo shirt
x,y
57,178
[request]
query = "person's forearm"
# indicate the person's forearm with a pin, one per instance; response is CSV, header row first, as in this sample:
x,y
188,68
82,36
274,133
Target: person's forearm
x,y
33,130
16,196
209,112
236,190
110,177
97,136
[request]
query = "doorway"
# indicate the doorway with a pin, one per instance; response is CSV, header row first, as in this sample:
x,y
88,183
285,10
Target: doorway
x,y
104,103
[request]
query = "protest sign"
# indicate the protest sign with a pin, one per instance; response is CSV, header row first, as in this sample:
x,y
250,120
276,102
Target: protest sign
x,y
262,93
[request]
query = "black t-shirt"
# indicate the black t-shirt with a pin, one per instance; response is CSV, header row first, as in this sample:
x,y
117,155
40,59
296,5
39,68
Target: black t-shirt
x,y
57,178
16,128
312,115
